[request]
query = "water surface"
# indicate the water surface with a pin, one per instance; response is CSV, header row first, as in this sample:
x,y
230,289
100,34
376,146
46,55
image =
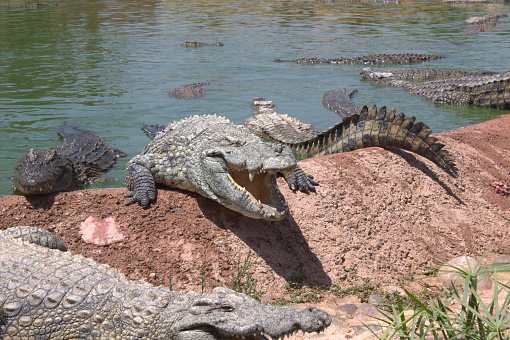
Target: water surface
x,y
108,65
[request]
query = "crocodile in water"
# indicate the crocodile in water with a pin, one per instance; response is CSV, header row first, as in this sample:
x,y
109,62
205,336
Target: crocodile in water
x,y
233,165
399,58
198,44
482,24
79,161
469,88
32,5
49,294
189,91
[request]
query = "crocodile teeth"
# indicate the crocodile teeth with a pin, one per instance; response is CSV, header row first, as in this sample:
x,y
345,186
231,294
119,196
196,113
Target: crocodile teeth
x,y
250,175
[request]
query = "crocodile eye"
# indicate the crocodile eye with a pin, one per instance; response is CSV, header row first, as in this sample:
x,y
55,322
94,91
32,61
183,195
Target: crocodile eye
x,y
226,308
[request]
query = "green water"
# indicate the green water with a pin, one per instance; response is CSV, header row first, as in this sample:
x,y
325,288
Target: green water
x,y
108,65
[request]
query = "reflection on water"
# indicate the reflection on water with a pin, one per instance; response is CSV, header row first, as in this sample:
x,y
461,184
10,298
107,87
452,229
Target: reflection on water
x,y
108,66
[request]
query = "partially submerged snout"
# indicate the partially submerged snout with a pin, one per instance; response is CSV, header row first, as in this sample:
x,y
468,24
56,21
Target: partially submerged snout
x,y
42,172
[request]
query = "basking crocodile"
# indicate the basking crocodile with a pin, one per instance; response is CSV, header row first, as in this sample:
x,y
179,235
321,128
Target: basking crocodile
x,y
189,91
480,89
32,5
79,161
198,44
235,167
49,294
399,58
367,128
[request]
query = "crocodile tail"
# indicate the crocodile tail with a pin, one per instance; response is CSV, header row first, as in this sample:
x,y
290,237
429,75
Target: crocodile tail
x,y
380,128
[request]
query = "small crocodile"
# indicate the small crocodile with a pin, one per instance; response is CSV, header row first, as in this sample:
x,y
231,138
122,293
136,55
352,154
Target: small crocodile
x,y
399,58
79,161
233,165
189,91
32,5
49,294
480,89
198,44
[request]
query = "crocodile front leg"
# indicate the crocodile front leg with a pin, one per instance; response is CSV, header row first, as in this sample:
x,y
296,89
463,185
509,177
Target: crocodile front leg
x,y
139,181
298,179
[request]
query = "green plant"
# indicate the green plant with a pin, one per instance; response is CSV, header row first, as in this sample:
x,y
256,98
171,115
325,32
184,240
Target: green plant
x,y
242,279
299,293
170,283
462,314
202,279
362,290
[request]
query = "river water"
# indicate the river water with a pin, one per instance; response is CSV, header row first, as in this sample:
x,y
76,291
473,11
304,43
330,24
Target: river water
x,y
108,65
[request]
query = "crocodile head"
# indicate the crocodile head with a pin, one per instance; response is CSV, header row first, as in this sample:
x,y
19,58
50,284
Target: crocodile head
x,y
42,172
238,170
225,314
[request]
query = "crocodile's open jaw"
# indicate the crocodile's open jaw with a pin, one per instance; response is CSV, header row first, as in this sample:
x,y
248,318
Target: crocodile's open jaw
x,y
259,193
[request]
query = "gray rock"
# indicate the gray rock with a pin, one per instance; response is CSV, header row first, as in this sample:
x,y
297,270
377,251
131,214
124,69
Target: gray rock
x,y
502,259
367,312
347,311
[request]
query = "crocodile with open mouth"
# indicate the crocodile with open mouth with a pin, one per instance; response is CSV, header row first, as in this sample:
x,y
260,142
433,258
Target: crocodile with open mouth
x,y
234,166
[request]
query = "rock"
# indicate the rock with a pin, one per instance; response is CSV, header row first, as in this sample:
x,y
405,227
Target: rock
x,y
100,231
502,259
347,311
367,312
448,277
375,299
364,328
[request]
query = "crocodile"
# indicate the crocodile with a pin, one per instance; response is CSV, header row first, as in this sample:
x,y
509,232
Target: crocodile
x,y
79,160
50,294
189,91
234,166
198,44
399,58
32,5
482,24
340,102
368,128
480,89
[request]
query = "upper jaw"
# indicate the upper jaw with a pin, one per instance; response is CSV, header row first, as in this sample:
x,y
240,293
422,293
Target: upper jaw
x,y
252,192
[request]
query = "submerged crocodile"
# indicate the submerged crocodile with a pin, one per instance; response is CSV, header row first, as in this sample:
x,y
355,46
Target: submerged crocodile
x,y
49,294
79,161
235,167
399,58
198,44
482,24
468,88
189,91
32,5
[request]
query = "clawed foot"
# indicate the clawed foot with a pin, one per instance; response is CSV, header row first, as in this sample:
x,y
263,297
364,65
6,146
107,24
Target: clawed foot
x,y
144,198
300,180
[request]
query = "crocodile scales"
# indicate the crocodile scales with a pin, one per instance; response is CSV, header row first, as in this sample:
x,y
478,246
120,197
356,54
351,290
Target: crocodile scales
x,y
79,160
468,88
396,58
233,165
49,294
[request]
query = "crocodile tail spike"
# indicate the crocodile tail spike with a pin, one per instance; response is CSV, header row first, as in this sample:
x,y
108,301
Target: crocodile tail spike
x,y
372,127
